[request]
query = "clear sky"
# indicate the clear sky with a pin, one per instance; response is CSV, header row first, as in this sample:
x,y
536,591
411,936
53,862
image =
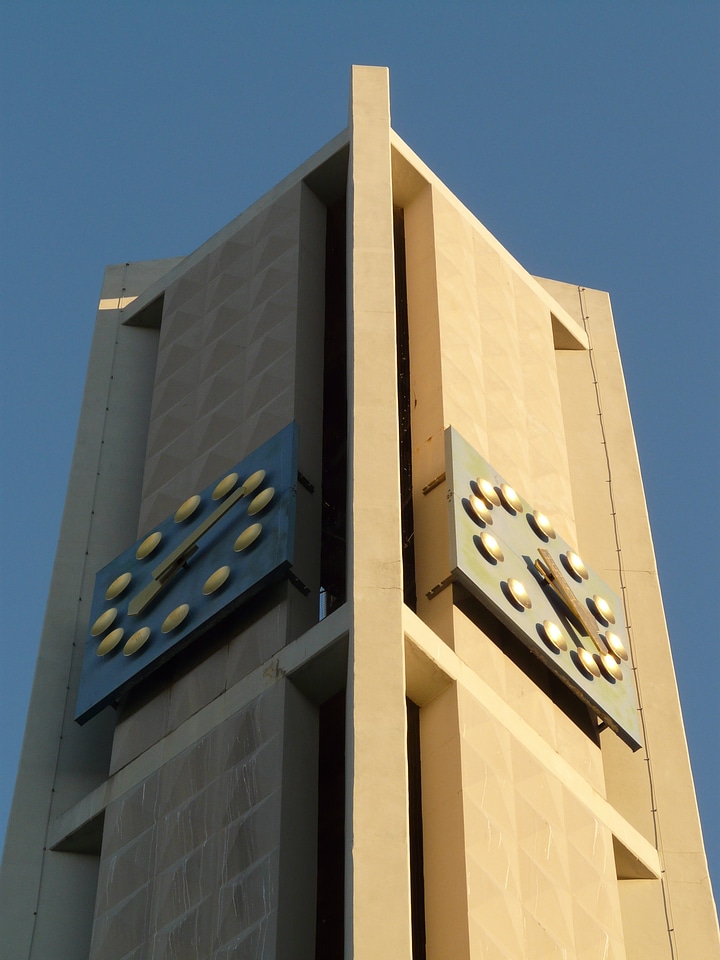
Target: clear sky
x,y
585,136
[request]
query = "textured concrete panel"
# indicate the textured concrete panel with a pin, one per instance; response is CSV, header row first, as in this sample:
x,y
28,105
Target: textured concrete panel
x,y
61,763
228,354
540,868
190,856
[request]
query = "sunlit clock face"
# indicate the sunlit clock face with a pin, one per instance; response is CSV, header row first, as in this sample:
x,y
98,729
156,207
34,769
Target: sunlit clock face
x,y
218,547
510,557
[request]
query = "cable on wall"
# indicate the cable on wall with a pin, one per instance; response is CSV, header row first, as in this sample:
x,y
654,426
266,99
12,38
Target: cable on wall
x,y
623,589
73,647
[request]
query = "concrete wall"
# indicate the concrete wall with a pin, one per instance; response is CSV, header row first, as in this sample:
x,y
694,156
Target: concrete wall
x,y
653,788
377,918
507,361
46,895
483,360
240,356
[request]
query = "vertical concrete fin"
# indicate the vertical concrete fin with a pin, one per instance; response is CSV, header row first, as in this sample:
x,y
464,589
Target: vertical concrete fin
x,y
378,888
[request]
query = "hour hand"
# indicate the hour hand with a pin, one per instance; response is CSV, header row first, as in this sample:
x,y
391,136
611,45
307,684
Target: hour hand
x,y
149,592
142,599
169,566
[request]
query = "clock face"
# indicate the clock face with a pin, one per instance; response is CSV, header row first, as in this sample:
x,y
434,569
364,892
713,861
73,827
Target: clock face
x,y
221,545
509,556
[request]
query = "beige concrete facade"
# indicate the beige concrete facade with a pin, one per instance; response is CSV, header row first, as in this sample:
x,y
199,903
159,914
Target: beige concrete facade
x,y
209,815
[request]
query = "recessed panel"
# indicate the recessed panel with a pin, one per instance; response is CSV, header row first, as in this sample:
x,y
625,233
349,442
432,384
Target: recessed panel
x,y
183,576
540,588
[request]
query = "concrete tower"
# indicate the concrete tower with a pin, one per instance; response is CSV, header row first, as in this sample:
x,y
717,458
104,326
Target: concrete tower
x,y
323,673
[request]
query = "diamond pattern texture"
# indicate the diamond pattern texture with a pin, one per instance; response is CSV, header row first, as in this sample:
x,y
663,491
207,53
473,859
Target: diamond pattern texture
x,y
499,383
540,870
225,374
189,865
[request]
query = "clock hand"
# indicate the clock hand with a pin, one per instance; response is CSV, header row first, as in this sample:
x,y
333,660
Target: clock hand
x,y
169,566
151,590
552,575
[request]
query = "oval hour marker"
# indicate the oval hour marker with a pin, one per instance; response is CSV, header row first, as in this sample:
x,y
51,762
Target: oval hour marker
x,y
137,640
216,580
148,545
103,622
616,645
175,618
603,608
254,481
117,586
541,523
187,509
488,491
519,593
611,666
588,661
225,486
480,508
261,501
248,536
574,565
510,498
491,547
554,635
110,641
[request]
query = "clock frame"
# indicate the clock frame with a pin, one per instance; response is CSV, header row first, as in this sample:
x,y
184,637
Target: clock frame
x,y
218,548
511,559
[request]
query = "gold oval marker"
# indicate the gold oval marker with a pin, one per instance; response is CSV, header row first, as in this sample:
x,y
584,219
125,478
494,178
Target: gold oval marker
x,y
510,498
480,508
603,608
225,486
253,481
175,618
137,640
148,545
588,661
554,635
574,565
488,491
216,580
611,666
519,593
543,524
491,546
248,536
117,586
261,501
103,622
616,645
188,508
110,641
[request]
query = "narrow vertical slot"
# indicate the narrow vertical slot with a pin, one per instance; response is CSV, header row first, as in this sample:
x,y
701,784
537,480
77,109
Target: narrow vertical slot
x,y
417,874
404,413
330,918
334,442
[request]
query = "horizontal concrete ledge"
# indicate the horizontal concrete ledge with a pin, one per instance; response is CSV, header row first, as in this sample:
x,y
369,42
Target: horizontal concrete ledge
x,y
431,666
296,655
115,303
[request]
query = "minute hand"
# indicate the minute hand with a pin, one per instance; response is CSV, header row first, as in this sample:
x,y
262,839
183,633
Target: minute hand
x,y
550,570
172,562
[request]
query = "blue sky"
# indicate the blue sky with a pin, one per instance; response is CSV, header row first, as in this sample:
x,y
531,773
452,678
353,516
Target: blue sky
x,y
585,136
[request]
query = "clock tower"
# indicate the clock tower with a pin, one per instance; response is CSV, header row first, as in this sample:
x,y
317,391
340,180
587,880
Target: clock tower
x,y
355,644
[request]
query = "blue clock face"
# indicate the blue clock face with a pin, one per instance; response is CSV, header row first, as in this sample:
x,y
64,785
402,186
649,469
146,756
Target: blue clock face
x,y
510,558
219,547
